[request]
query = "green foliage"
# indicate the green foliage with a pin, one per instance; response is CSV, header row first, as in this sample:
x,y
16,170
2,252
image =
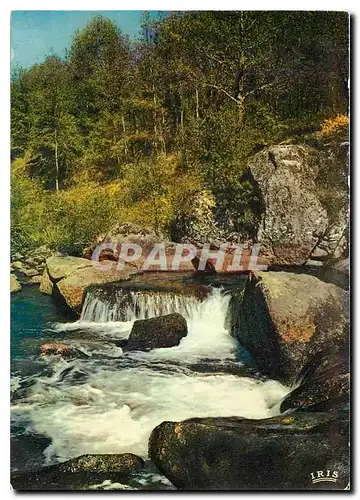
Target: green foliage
x,y
133,131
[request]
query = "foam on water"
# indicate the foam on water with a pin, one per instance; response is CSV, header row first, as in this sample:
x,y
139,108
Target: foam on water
x,y
115,411
111,406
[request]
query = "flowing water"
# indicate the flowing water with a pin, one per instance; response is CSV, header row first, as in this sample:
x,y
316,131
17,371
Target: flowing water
x,y
108,400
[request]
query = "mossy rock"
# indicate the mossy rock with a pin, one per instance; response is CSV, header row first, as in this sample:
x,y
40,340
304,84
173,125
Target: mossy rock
x,y
80,473
278,453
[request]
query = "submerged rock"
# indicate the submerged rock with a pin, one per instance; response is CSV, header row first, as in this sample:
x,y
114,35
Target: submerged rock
x,y
284,319
57,348
79,473
153,333
36,280
14,284
279,453
30,272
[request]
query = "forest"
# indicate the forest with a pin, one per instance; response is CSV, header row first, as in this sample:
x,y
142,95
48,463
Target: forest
x,y
132,131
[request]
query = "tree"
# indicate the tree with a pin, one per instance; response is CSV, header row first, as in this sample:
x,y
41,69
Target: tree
x,y
54,140
20,120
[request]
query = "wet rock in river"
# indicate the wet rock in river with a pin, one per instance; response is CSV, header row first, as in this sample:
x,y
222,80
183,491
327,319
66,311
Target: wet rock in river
x,y
325,382
67,279
71,289
35,280
153,333
233,453
79,473
57,348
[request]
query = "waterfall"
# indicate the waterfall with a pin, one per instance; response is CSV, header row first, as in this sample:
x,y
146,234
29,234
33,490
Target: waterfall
x,y
111,312
123,305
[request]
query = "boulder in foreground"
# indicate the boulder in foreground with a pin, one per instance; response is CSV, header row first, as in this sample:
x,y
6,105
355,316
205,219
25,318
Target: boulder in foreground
x,y
79,473
153,333
279,453
284,319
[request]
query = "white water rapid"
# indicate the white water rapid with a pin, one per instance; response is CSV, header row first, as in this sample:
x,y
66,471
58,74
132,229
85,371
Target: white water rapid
x,y
111,405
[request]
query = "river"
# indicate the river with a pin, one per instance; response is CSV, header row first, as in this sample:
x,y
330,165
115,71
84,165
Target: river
x,y
108,400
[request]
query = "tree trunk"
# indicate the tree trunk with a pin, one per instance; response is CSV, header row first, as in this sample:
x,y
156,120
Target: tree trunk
x,y
124,132
56,162
240,95
162,133
197,104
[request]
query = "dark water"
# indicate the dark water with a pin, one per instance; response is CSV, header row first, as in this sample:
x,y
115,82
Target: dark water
x,y
32,317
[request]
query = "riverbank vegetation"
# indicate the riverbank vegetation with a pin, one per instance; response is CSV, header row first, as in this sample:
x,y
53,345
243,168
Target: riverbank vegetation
x,y
134,131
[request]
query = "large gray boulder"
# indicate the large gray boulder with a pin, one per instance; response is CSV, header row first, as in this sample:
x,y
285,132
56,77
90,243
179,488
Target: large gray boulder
x,y
295,221
279,453
284,319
